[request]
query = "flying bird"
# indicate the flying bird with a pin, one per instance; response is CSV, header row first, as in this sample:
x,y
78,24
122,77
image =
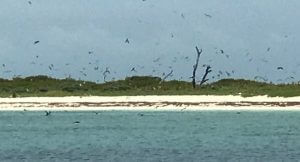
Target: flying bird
x,y
207,15
182,16
36,42
29,2
279,68
47,113
133,70
127,41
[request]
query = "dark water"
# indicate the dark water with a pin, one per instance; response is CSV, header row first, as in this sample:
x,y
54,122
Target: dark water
x,y
153,136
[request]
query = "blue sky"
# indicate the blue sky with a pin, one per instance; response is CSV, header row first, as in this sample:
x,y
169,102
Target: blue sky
x,y
256,37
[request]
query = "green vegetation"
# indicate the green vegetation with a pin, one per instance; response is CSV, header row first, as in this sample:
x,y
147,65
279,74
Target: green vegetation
x,y
139,85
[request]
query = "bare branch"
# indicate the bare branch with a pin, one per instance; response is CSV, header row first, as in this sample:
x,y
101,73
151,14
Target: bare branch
x,y
168,75
195,67
207,71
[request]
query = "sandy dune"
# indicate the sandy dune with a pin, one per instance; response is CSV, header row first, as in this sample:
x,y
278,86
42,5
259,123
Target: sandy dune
x,y
151,103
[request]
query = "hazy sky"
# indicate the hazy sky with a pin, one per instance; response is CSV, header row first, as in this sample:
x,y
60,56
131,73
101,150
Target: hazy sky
x,y
256,37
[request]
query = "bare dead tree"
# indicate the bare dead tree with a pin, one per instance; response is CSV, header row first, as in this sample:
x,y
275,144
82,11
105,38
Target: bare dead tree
x,y
168,75
204,79
195,67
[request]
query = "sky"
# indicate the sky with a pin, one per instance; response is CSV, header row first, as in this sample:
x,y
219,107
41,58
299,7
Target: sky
x,y
246,39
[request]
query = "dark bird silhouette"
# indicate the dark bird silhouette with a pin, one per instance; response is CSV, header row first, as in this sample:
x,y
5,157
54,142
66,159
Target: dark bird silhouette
x,y
182,16
222,51
47,113
268,49
133,70
76,122
29,2
279,68
207,15
127,41
156,60
36,42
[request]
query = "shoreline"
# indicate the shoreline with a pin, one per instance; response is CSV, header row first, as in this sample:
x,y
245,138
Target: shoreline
x,y
151,103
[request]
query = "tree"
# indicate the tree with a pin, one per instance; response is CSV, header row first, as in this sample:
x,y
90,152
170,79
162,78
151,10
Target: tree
x,y
195,67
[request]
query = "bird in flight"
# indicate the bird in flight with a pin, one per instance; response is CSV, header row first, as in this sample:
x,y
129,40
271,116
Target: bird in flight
x,y
47,113
279,68
208,15
29,2
36,42
90,52
133,70
182,16
127,41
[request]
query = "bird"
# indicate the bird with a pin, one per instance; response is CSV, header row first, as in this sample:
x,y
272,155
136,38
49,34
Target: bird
x,y
90,52
182,16
133,70
36,42
76,122
222,51
207,15
47,113
279,68
268,49
29,2
127,41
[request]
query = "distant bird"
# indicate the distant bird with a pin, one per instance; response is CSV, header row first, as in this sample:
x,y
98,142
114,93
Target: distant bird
x,y
127,41
29,2
133,70
90,52
47,113
268,49
207,15
76,122
156,60
36,42
182,16
222,51
279,68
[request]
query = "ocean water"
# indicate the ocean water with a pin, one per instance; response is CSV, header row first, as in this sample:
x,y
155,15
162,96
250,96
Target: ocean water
x,y
150,136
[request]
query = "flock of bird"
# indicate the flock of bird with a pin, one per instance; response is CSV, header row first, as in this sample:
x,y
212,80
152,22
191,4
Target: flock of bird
x,y
157,62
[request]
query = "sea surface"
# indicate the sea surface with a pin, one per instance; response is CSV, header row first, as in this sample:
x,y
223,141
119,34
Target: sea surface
x,y
150,136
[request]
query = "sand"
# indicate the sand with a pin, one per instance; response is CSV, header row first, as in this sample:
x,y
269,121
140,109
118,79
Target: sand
x,y
151,103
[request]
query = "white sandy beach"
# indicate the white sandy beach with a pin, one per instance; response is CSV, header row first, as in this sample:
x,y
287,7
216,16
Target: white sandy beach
x,y
150,103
